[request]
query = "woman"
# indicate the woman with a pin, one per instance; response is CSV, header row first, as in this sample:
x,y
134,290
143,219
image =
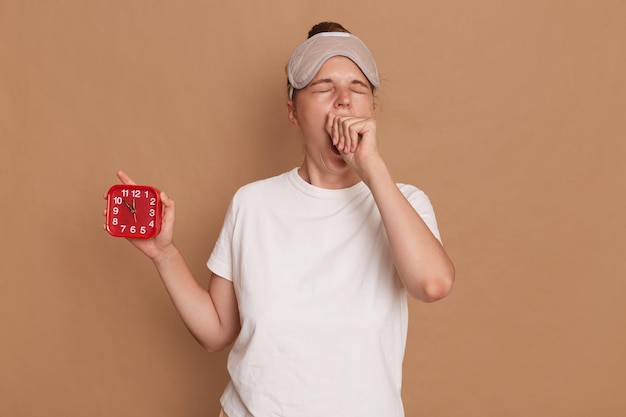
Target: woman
x,y
311,269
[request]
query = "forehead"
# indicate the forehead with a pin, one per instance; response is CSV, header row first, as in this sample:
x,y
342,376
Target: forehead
x,y
339,67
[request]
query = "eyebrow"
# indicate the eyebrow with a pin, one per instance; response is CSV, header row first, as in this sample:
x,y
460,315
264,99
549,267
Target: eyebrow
x,y
322,81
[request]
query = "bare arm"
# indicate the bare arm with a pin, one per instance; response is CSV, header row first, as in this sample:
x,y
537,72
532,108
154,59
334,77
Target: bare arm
x,y
421,261
211,316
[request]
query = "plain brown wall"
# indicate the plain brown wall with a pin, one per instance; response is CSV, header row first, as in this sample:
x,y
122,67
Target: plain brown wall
x,y
510,115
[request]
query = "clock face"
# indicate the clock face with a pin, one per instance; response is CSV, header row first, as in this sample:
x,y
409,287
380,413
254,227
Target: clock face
x,y
133,211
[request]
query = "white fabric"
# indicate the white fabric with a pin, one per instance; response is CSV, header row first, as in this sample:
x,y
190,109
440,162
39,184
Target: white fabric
x,y
323,314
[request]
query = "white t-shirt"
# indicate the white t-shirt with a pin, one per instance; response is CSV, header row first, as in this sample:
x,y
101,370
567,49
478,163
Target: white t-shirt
x,y
323,313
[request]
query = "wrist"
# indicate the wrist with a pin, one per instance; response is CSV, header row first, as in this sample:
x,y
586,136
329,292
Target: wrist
x,y
374,171
165,254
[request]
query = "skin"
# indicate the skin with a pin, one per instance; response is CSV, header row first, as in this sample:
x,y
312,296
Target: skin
x,y
336,110
212,316
331,112
335,115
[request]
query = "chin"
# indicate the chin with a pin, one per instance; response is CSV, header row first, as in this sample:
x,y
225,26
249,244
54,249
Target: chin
x,y
336,164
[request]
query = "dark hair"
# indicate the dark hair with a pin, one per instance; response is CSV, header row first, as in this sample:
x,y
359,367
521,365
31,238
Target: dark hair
x,y
327,27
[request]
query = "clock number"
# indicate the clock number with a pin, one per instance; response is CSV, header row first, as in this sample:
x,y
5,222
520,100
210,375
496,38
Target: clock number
x,y
133,211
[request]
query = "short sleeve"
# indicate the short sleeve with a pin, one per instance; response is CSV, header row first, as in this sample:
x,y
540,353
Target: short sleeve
x,y
221,260
421,203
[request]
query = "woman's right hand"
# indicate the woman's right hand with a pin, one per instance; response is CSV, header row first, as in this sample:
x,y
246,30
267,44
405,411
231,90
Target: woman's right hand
x,y
161,243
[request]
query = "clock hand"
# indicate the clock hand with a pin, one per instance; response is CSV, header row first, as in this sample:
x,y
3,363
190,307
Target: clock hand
x,y
131,208
134,211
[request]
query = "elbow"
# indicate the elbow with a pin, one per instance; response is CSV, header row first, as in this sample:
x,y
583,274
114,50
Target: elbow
x,y
436,291
214,349
215,346
224,340
434,287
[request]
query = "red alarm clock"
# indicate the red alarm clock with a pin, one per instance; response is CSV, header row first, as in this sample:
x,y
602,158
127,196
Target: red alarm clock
x,y
133,211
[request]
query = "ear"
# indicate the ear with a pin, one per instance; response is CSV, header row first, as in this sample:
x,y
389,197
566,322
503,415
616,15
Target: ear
x,y
291,113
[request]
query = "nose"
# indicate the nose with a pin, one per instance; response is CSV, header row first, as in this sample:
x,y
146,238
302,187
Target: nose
x,y
343,100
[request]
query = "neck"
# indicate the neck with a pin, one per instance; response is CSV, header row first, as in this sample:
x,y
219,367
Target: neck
x,y
330,179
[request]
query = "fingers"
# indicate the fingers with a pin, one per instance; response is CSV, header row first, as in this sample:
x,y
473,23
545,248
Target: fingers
x,y
125,178
168,203
169,215
347,132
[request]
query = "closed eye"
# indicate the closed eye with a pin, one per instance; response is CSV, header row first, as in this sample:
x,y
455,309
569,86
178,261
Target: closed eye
x,y
360,87
326,86
321,86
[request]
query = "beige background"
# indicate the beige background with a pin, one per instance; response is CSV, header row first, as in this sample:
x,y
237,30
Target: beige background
x,y
510,115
